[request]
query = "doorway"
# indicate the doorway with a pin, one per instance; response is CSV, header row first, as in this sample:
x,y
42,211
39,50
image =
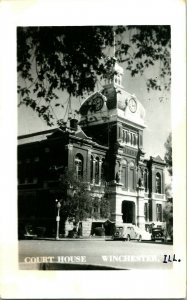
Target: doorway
x,y
128,211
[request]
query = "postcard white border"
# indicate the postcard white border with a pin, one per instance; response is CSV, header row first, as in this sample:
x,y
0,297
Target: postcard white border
x,y
88,284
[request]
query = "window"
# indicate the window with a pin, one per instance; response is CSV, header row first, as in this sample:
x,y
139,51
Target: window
x,y
131,176
79,166
131,138
97,170
123,137
128,137
159,212
124,173
145,181
146,211
134,140
91,169
158,183
102,171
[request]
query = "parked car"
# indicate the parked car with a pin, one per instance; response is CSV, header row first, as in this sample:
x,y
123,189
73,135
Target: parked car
x,y
131,232
29,232
158,234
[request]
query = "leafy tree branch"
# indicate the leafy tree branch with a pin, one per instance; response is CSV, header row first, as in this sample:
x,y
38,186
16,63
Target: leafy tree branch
x,y
75,59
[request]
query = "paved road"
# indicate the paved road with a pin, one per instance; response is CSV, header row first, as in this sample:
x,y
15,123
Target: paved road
x,y
77,254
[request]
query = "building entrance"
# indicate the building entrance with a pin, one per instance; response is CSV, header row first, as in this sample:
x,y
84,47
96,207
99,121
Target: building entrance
x,y
128,211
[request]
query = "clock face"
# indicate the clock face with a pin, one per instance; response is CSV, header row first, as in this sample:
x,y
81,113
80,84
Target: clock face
x,y
94,104
132,105
97,103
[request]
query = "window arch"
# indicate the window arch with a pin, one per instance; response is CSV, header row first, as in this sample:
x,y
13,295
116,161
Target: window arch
x,y
158,183
131,164
79,165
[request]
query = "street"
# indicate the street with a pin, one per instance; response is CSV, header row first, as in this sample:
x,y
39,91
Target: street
x,y
93,254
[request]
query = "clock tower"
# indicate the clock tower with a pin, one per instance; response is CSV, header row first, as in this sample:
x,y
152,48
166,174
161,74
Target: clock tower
x,y
115,118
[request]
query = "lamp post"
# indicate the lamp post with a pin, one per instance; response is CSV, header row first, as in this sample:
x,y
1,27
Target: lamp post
x,y
58,219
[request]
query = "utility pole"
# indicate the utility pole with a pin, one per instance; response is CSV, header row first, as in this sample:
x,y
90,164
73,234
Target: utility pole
x,y
58,219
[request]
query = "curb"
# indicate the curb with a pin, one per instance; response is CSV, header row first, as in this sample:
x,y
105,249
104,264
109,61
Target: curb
x,y
76,239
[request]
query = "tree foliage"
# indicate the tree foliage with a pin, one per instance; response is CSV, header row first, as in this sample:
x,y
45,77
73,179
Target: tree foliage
x,y
168,218
168,154
78,202
168,209
75,59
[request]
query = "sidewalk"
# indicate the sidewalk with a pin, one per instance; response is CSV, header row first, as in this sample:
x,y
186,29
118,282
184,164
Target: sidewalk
x,y
91,238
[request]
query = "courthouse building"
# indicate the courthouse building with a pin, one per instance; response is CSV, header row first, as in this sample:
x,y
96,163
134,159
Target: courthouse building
x,y
105,148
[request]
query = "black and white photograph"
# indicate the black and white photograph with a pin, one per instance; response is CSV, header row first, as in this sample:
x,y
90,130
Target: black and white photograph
x,y
87,180
96,184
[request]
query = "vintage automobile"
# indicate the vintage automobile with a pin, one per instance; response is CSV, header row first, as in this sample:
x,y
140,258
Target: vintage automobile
x,y
158,234
130,232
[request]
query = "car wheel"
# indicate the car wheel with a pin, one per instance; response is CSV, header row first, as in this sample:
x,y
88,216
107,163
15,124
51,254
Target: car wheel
x,y
140,238
128,238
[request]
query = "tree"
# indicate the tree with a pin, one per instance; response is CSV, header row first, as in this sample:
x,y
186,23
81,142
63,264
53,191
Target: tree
x,y
168,209
168,217
78,202
75,59
168,154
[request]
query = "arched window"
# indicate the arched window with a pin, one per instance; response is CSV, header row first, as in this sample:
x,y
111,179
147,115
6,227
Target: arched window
x,y
79,166
91,169
97,170
158,183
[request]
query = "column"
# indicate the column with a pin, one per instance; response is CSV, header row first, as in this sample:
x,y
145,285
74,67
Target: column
x,y
69,147
140,208
153,210
163,181
88,164
100,163
93,170
148,182
119,132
